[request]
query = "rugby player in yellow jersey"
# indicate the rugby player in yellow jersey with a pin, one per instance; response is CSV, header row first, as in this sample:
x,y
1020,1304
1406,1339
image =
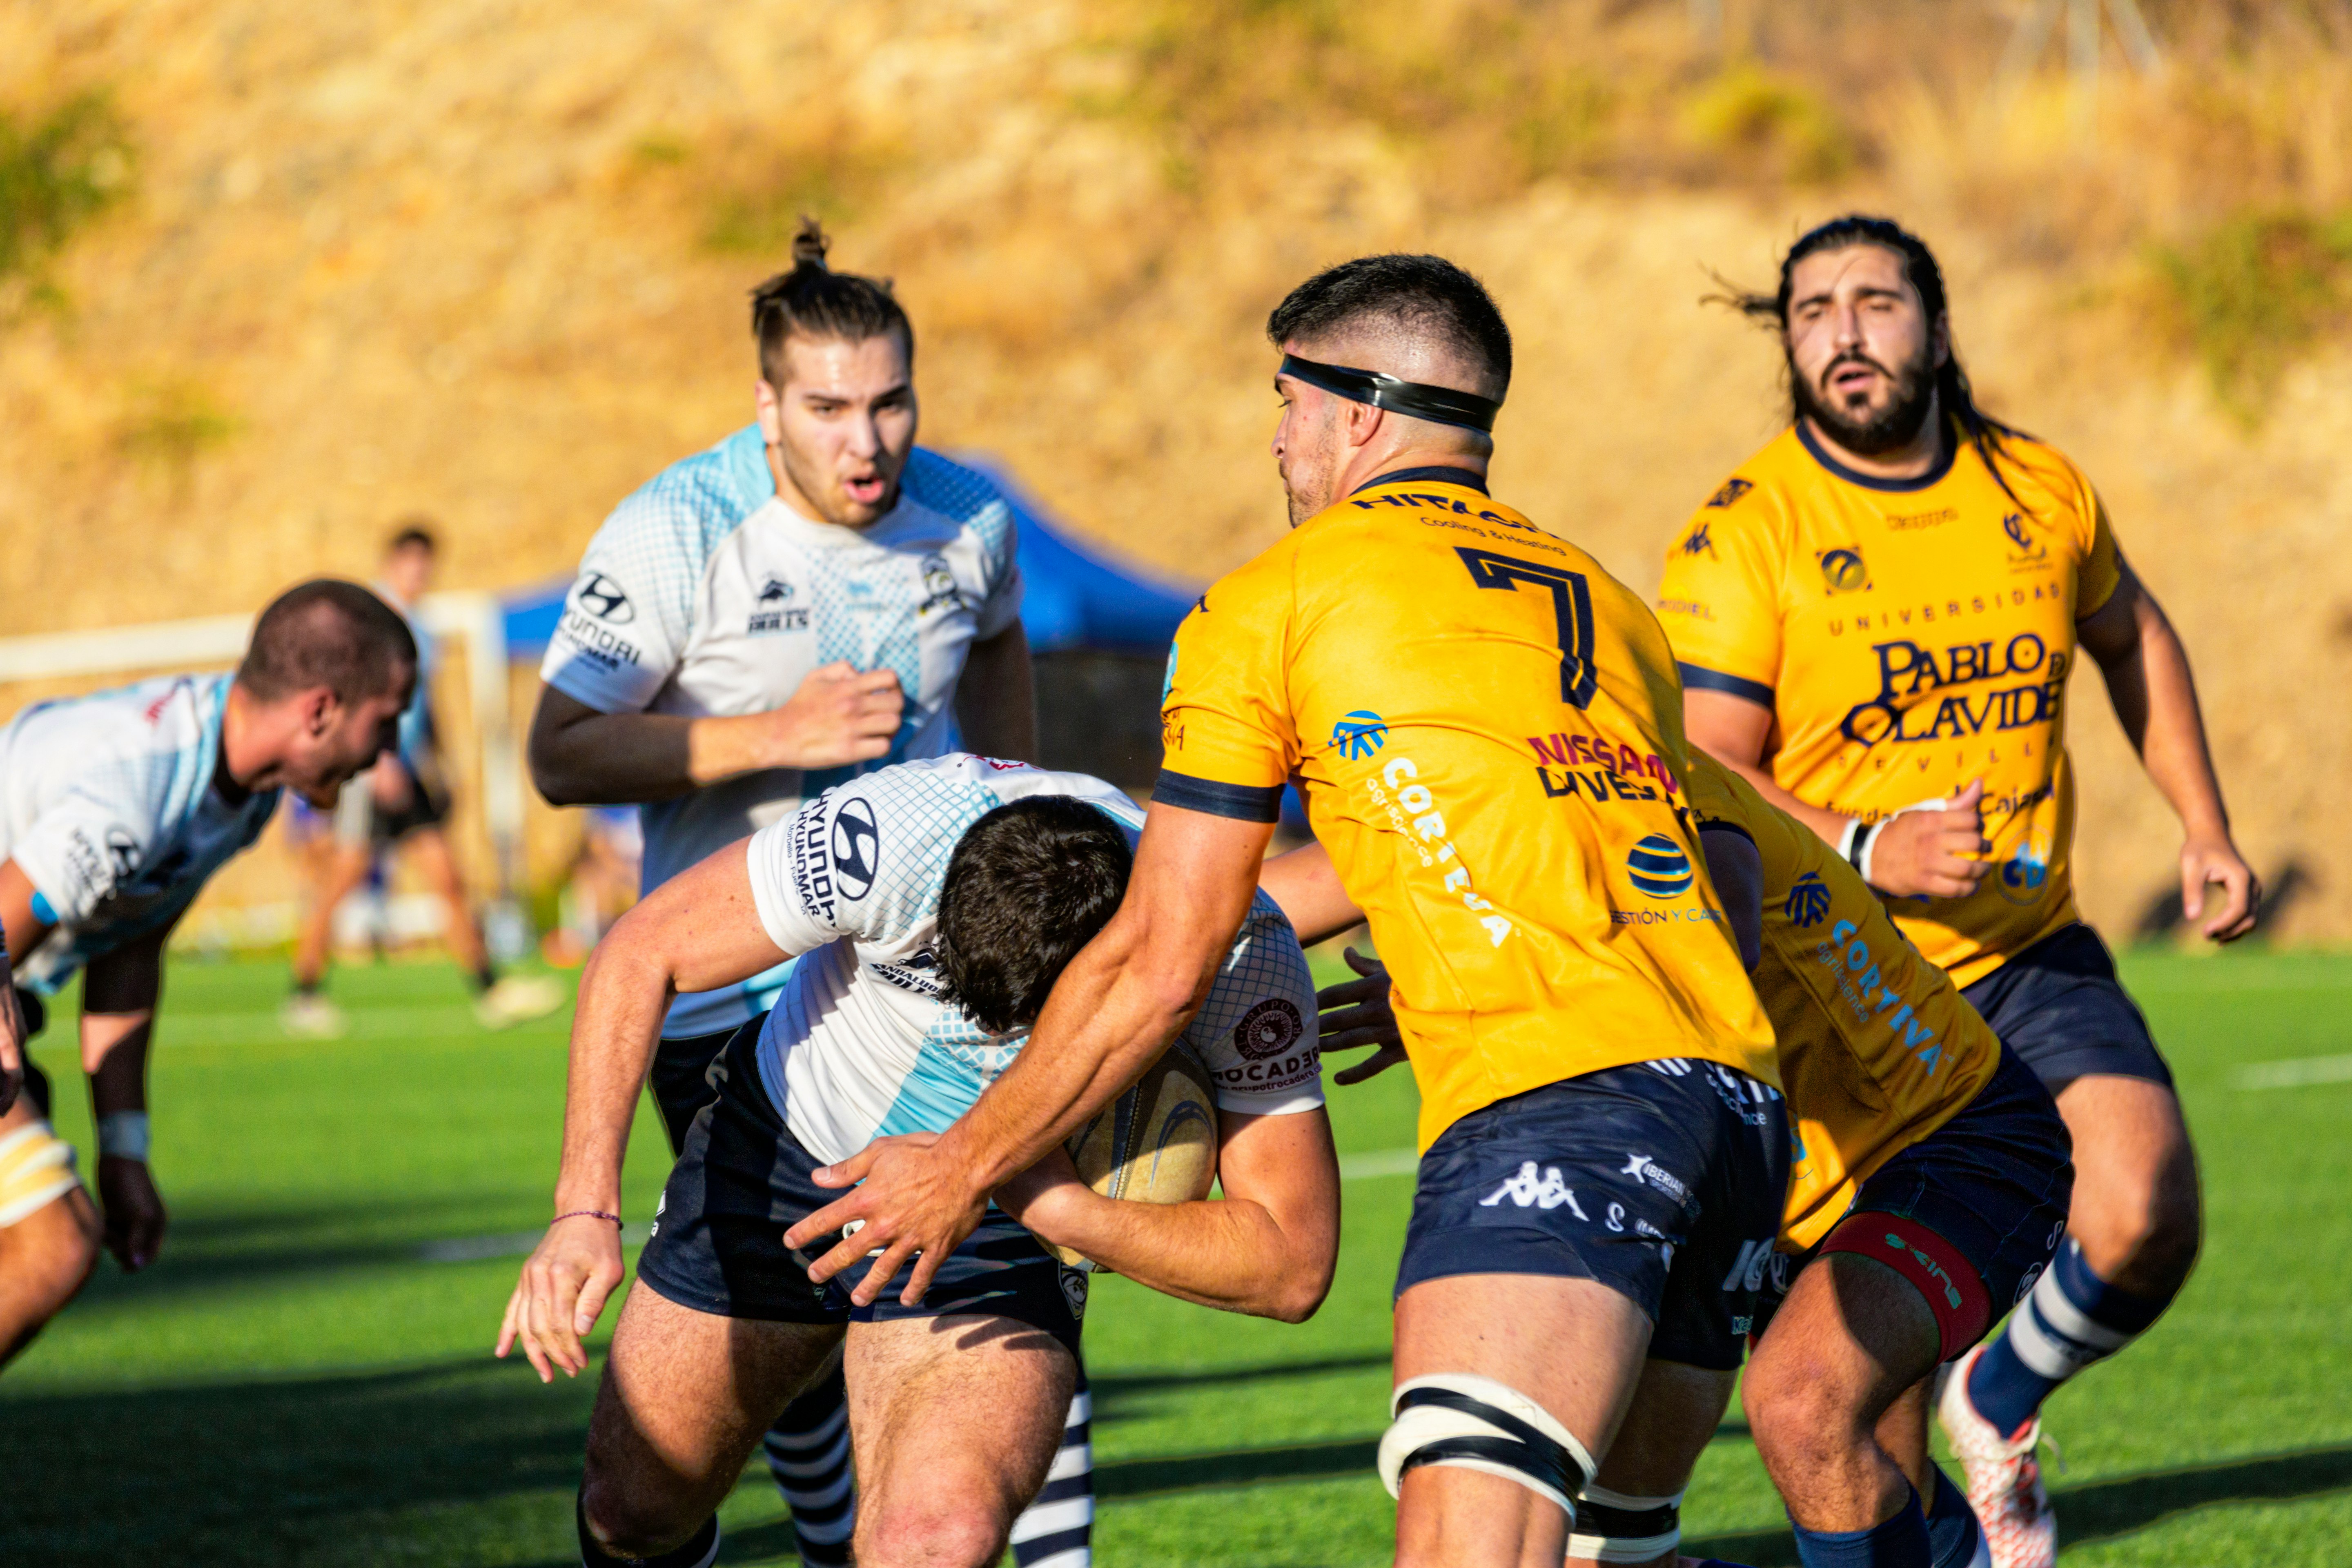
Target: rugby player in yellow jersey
x,y
1875,616
1929,1191
1603,1136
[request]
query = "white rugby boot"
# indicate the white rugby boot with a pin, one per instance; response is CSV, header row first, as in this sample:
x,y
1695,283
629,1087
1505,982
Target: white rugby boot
x,y
518,999
307,1016
2002,1477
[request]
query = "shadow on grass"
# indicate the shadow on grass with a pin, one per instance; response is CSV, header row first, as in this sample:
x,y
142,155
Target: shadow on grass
x,y
279,1471
2101,1510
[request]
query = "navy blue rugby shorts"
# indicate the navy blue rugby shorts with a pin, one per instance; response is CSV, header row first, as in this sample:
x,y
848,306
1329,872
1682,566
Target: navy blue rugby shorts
x,y
2060,1007
717,1241
1662,1180
1970,1214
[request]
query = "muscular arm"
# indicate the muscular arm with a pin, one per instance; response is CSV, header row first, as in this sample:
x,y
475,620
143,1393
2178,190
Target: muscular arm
x,y
1117,1006
996,698
580,756
2155,697
1733,731
697,932
1266,1249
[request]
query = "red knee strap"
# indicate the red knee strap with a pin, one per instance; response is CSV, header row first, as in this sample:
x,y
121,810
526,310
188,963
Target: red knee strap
x,y
1946,1278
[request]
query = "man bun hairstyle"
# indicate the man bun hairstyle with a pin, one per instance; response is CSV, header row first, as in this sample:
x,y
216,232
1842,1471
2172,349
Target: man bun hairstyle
x,y
1027,886
1954,396
811,301
328,633
1421,295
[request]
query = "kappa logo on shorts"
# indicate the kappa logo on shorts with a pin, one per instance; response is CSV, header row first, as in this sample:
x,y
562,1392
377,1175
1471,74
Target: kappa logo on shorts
x,y
1268,1029
1530,1191
603,598
2025,1286
856,848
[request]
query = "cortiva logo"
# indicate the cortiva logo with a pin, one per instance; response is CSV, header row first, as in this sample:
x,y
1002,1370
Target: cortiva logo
x,y
1809,901
603,598
1268,1029
1659,868
1731,491
856,848
1360,734
1842,570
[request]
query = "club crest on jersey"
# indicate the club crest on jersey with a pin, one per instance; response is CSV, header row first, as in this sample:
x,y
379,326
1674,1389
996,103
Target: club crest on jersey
x,y
856,848
1809,902
2022,875
1357,735
603,598
1268,1029
1731,491
2024,550
1660,868
774,611
939,591
1842,570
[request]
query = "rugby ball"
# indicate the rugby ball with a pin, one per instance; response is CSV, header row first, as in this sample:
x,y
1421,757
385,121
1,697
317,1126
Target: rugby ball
x,y
1157,1144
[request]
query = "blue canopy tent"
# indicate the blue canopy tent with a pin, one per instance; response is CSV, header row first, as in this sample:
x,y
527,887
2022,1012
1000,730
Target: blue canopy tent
x,y
1099,627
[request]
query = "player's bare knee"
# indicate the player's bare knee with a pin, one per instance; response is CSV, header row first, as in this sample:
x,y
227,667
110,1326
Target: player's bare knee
x,y
2146,1239
1798,1410
52,1253
632,1520
932,1529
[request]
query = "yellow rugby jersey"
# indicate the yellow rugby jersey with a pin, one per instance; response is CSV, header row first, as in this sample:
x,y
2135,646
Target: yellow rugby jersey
x,y
1488,731
1878,1048
1909,637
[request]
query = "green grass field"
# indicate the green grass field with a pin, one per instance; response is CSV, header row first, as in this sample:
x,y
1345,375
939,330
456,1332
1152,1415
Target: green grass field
x,y
305,1377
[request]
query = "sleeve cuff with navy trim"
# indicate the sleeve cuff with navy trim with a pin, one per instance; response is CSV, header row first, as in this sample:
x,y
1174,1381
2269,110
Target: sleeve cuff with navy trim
x,y
1725,824
1698,678
1243,802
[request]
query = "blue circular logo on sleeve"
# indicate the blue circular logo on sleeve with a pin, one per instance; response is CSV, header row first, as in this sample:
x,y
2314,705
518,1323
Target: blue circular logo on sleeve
x,y
1660,868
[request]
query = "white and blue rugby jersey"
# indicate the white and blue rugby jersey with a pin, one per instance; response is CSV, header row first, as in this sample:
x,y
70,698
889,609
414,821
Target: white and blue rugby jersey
x,y
108,805
704,594
860,1047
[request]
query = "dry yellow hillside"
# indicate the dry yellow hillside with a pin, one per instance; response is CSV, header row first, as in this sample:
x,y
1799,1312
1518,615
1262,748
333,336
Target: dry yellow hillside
x,y
489,261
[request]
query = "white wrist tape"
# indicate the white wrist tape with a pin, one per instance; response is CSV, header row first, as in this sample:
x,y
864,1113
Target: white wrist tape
x,y
1865,841
123,1135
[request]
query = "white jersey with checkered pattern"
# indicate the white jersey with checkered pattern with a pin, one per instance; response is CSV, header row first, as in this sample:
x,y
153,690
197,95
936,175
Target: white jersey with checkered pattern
x,y
860,1047
705,594
109,805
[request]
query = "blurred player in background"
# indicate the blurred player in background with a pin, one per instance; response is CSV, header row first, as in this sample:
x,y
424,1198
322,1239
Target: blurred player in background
x,y
602,884
401,805
936,902
813,598
1875,618
114,810
1392,654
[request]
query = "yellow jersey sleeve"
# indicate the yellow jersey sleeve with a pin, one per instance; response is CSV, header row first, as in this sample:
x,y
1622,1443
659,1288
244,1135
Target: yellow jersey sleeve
x,y
1720,598
1227,740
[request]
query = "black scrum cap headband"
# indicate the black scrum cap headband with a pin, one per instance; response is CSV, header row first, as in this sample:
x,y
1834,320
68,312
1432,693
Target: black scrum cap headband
x,y
1439,404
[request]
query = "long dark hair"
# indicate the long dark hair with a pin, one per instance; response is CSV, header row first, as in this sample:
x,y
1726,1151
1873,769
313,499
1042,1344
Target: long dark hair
x,y
1954,396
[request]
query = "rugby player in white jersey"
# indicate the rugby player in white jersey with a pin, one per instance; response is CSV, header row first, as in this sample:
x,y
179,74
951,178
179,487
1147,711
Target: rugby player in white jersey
x,y
938,902
114,810
813,598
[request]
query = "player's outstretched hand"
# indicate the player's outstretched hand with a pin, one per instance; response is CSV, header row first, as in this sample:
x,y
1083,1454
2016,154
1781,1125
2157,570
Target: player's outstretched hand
x,y
2207,859
566,1282
910,1203
1356,1013
1936,852
134,1211
840,715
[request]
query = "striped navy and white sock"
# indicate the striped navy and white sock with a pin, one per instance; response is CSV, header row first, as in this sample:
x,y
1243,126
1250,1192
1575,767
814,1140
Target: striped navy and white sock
x,y
808,1454
2071,1320
1057,1529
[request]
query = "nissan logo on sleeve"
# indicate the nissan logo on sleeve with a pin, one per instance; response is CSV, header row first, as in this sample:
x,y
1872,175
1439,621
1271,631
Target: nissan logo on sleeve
x,y
603,598
857,846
